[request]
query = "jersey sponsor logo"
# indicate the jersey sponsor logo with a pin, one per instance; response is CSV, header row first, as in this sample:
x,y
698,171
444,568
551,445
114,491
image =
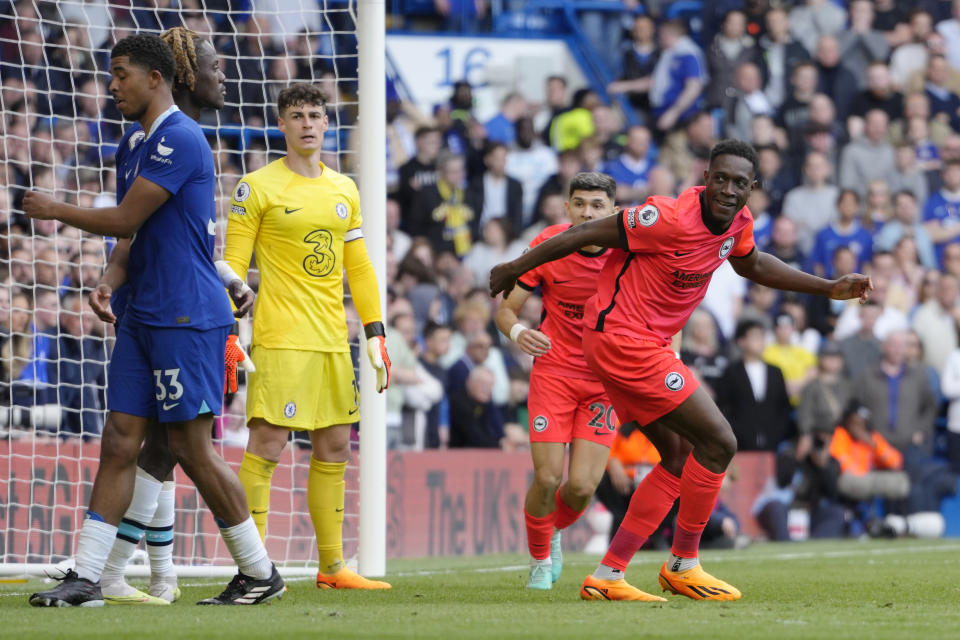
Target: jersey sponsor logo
x,y
674,381
571,310
135,139
540,424
163,149
157,158
290,409
726,247
211,227
341,211
237,209
687,280
242,192
321,261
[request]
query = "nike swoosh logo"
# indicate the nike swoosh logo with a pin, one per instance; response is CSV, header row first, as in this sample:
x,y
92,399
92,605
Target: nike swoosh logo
x,y
287,210
167,407
257,513
555,281
680,255
350,413
339,510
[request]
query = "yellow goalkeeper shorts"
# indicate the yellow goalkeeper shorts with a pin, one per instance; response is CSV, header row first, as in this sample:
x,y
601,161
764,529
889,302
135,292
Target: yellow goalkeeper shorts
x,y
302,390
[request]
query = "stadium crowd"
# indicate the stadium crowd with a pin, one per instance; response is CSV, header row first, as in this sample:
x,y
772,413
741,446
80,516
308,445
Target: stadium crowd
x,y
853,107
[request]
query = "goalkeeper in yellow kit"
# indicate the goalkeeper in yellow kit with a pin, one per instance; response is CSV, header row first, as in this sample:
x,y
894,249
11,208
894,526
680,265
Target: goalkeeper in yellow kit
x,y
302,219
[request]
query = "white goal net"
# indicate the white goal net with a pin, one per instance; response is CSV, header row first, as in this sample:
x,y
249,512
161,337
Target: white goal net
x,y
59,134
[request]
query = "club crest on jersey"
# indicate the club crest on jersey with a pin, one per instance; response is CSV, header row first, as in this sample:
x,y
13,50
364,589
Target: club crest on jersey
x,y
645,216
726,247
540,424
674,381
341,211
290,409
242,192
135,139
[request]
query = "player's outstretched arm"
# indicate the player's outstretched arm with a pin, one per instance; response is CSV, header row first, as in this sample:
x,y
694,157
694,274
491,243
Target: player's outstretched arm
x,y
112,278
531,341
770,271
603,232
121,221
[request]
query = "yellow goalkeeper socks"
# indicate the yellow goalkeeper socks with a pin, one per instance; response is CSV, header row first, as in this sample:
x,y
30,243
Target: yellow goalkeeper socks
x,y
255,474
325,499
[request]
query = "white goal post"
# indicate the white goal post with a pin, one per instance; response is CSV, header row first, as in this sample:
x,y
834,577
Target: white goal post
x,y
58,132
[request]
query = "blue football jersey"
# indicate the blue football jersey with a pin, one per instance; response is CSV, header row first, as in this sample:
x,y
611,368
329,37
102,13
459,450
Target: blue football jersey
x,y
128,168
173,281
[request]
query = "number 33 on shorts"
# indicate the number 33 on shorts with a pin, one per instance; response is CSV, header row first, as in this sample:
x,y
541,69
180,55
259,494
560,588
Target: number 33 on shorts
x,y
168,394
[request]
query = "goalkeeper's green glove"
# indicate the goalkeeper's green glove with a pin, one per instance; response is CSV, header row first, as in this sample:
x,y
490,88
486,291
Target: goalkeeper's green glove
x,y
377,351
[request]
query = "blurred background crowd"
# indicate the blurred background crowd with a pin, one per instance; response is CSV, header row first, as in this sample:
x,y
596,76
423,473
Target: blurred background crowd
x,y
853,107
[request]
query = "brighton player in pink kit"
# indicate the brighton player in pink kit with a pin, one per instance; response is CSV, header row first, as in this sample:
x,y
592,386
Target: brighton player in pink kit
x,y
645,295
567,403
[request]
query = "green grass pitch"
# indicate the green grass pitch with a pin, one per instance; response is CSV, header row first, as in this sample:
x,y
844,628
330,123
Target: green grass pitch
x,y
865,590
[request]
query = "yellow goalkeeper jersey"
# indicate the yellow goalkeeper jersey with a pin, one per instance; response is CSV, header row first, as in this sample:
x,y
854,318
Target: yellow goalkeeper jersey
x,y
297,227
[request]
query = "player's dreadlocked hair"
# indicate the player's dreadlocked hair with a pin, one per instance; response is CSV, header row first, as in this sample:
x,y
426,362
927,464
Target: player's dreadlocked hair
x,y
183,44
147,51
594,181
731,147
299,94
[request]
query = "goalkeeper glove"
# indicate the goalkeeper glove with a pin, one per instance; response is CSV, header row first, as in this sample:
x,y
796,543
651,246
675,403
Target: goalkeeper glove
x,y
234,355
377,350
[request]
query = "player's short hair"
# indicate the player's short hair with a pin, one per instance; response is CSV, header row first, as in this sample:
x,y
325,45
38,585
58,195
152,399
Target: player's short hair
x,y
183,43
594,181
733,147
148,51
299,94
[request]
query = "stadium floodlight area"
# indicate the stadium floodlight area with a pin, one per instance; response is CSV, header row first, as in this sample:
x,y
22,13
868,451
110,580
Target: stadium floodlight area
x,y
59,133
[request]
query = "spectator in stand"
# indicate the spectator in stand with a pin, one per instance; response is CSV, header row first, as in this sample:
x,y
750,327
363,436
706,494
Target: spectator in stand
x,y
869,466
844,232
917,105
679,78
551,212
906,223
951,259
944,102
608,132
794,113
779,54
531,162
77,369
899,397
950,30
822,402
752,394
502,127
784,242
399,242
557,102
494,194
861,350
833,78
812,206
685,153
639,60
879,206
730,48
568,165
700,349
472,346
870,157
796,362
950,385
462,15
892,318
748,103
421,169
475,421
436,343
497,245
860,43
575,124
814,19
440,212
936,322
759,205
941,214
774,178
908,176
878,94
631,170
17,350
916,356
912,55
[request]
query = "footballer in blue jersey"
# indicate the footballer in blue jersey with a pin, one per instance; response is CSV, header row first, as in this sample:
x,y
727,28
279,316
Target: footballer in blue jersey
x,y
168,362
941,215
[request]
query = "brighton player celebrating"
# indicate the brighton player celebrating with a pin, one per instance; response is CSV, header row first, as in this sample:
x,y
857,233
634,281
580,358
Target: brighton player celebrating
x,y
567,403
168,360
303,220
645,295
197,86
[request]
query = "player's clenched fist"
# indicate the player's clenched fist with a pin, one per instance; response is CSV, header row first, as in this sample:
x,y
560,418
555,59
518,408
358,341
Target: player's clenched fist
x,y
100,303
851,286
502,278
377,352
38,206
